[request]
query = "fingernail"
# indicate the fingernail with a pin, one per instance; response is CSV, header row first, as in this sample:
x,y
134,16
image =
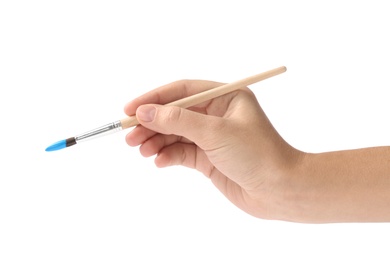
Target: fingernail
x,y
146,113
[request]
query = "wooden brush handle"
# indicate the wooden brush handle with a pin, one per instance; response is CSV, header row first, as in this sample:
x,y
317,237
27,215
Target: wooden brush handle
x,y
211,93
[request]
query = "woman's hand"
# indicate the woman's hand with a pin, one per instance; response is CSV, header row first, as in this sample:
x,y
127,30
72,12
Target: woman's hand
x,y
229,139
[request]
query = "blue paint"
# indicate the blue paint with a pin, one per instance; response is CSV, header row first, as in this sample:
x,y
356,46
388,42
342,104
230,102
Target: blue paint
x,y
56,146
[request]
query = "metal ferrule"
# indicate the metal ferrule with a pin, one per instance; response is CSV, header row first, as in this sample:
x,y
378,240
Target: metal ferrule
x,y
103,130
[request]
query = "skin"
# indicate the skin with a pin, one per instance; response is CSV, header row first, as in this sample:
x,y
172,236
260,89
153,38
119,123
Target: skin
x,y
231,141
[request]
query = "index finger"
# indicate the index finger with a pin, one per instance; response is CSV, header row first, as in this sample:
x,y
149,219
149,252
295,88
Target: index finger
x,y
170,92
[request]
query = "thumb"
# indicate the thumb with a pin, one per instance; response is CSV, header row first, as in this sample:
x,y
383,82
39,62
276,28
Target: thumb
x,y
167,120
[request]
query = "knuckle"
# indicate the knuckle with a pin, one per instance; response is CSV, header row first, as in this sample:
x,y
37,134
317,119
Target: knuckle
x,y
183,82
173,115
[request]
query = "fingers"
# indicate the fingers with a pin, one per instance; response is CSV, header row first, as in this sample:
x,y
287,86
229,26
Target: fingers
x,y
177,154
170,92
188,155
153,145
170,120
139,135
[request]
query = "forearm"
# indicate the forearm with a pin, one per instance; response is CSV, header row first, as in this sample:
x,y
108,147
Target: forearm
x,y
342,186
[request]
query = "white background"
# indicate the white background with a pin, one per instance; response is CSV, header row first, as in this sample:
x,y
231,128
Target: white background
x,y
69,66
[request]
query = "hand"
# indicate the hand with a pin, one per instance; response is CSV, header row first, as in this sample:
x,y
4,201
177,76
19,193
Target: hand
x,y
229,139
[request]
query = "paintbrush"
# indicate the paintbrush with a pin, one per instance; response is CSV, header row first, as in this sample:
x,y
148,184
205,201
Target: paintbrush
x,y
184,103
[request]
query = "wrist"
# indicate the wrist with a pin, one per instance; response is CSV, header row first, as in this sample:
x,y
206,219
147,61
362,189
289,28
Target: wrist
x,y
292,199
312,193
